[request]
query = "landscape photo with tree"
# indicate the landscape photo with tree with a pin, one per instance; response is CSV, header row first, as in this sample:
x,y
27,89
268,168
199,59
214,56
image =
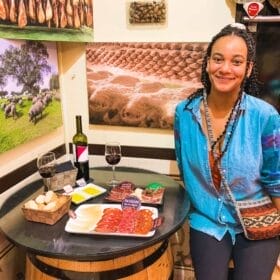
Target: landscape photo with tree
x,y
29,91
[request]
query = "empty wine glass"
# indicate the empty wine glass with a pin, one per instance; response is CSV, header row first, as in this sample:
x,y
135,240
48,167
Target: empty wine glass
x,y
46,164
113,157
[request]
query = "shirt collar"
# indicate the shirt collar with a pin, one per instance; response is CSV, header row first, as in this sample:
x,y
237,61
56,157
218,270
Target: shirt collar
x,y
194,104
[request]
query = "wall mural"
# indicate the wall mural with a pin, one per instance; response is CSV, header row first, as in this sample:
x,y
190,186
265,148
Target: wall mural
x,y
50,20
140,84
29,91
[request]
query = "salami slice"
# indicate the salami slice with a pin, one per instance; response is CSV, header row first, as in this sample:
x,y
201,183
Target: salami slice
x,y
143,221
128,220
109,221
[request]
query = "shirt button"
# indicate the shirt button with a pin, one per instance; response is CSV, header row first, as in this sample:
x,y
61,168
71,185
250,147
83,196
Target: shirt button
x,y
219,199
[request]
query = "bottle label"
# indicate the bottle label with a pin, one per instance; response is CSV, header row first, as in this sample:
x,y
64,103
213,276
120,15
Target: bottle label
x,y
80,153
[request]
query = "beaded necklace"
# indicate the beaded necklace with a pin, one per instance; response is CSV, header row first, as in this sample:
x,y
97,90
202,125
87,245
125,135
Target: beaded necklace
x,y
232,120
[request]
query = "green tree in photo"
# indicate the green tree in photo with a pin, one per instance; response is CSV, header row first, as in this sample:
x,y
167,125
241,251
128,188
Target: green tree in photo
x,y
26,65
2,78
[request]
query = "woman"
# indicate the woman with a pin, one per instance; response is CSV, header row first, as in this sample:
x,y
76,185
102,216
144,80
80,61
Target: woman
x,y
220,129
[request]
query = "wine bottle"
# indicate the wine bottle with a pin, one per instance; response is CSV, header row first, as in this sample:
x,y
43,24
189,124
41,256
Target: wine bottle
x,y
80,151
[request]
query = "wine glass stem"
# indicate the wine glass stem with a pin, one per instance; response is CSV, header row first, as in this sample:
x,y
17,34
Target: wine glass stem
x,y
114,176
47,184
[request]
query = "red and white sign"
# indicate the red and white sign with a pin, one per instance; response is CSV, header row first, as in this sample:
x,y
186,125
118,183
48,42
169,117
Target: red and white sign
x,y
252,8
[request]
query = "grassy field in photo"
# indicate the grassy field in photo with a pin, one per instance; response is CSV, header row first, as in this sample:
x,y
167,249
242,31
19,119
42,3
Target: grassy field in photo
x,y
83,34
14,132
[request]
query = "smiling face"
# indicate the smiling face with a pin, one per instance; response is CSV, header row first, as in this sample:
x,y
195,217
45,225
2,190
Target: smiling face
x,y
227,64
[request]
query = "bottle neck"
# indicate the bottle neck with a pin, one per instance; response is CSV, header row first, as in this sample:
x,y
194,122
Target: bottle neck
x,y
79,124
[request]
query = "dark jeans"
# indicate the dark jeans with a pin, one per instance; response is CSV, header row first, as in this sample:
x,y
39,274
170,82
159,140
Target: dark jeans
x,y
253,260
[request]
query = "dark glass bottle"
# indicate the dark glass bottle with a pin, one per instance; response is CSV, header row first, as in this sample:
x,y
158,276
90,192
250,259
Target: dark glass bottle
x,y
80,151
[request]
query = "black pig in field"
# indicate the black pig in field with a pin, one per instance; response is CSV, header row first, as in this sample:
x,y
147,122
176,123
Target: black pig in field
x,y
35,111
10,110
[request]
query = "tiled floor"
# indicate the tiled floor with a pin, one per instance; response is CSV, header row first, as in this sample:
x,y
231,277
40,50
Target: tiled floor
x,y
183,274
182,262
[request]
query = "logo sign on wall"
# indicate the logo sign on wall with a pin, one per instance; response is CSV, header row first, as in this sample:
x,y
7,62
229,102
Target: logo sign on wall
x,y
252,8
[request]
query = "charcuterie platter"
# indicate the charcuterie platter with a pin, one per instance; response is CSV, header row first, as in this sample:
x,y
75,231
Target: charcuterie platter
x,y
112,219
151,194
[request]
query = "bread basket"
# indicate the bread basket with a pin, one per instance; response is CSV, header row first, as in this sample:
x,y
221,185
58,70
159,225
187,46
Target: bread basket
x,y
49,217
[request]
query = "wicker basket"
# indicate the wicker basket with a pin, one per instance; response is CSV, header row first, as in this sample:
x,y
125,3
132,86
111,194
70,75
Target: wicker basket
x,y
61,179
49,217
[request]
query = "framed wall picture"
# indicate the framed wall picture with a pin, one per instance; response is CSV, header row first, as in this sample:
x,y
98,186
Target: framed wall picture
x,y
139,84
49,20
29,92
146,12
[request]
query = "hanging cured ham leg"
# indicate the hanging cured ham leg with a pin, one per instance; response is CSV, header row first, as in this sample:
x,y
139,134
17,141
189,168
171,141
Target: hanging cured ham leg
x,y
77,22
22,17
69,12
31,9
69,8
3,11
89,13
62,14
49,12
13,12
40,12
82,11
6,6
55,13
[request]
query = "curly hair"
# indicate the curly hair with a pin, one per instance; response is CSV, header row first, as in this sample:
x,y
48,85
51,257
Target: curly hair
x,y
251,85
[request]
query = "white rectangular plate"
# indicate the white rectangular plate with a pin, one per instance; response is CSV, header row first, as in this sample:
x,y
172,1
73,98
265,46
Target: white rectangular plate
x,y
82,194
88,215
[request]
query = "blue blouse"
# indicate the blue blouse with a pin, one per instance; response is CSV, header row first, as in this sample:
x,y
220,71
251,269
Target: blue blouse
x,y
251,164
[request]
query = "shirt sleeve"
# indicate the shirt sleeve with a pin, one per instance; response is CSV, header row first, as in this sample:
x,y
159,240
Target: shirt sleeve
x,y
270,173
177,140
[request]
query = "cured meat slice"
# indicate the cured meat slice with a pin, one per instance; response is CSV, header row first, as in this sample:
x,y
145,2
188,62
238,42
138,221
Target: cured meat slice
x,y
146,195
110,220
152,196
128,220
143,221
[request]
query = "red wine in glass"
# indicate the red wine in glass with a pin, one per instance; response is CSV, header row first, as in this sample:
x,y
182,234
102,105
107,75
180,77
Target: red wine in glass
x,y
46,164
113,157
47,171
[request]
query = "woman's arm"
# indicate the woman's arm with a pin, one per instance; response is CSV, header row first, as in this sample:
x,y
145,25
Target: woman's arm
x,y
177,141
270,172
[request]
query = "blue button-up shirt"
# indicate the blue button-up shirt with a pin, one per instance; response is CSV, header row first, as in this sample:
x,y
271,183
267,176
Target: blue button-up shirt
x,y
251,164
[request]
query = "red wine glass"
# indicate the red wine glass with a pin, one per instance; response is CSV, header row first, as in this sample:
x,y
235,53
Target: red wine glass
x,y
46,164
113,156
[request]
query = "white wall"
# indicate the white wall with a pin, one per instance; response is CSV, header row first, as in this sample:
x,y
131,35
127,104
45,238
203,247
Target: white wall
x,y
186,21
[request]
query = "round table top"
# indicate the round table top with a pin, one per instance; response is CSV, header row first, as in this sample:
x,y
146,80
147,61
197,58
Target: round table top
x,y
54,241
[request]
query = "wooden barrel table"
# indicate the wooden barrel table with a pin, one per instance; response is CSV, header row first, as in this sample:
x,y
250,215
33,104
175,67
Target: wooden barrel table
x,y
54,253
155,262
